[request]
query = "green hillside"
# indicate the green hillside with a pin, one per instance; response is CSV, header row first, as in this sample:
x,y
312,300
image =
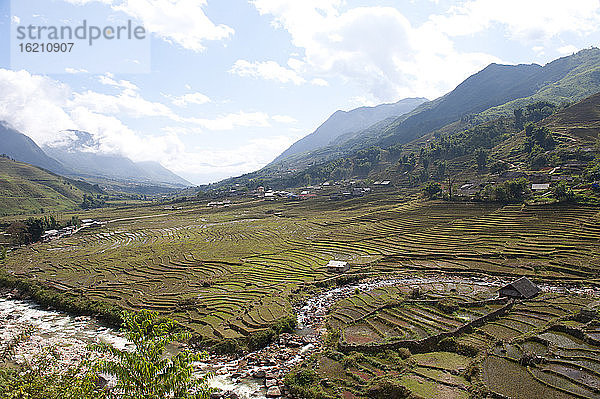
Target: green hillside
x,y
483,106
25,189
492,93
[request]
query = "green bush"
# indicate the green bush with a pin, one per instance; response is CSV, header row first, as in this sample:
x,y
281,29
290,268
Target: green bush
x,y
353,359
26,383
227,347
261,339
432,190
32,380
404,353
562,192
286,325
303,383
147,372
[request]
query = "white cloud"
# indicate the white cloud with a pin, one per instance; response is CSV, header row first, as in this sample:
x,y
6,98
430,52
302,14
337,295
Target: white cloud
x,y
84,2
531,20
127,102
189,98
284,119
43,109
319,82
179,21
108,80
362,101
34,105
375,48
176,21
74,71
114,137
200,166
568,49
269,70
233,120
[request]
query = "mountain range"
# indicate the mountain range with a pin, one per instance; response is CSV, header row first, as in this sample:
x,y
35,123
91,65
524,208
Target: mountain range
x,y
79,158
344,122
494,92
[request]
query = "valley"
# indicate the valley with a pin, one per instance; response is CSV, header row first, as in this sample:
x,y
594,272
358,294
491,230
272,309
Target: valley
x,y
418,249
233,275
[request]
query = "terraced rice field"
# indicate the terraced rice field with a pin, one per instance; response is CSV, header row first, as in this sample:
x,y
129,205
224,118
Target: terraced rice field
x,y
232,271
545,347
396,314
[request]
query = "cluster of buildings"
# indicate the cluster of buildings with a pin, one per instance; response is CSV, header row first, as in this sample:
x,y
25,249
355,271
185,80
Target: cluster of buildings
x,y
352,193
271,195
70,230
219,204
343,190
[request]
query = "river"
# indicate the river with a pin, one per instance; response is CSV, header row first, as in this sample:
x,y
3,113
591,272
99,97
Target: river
x,y
70,336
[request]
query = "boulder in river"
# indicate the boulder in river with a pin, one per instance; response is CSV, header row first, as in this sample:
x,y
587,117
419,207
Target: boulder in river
x,y
273,392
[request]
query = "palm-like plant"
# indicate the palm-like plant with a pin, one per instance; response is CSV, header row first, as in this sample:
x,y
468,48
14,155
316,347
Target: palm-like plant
x,y
146,372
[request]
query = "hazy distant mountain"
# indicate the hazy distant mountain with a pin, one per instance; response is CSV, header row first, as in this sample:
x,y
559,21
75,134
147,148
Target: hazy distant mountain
x,y
344,122
77,158
21,148
80,157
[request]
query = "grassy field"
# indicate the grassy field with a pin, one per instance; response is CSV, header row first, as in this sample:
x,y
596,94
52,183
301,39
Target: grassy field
x,y
27,189
232,271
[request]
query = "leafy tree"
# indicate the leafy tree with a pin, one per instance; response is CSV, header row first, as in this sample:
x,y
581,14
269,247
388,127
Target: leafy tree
x,y
89,202
481,156
562,192
75,221
592,171
19,233
541,136
432,189
509,191
34,379
498,167
538,157
519,118
441,169
36,228
146,372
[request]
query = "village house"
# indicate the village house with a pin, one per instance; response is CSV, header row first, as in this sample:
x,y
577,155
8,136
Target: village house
x,y
540,186
522,288
337,266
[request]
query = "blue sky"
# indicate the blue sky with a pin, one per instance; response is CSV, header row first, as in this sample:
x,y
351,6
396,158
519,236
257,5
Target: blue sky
x,y
229,84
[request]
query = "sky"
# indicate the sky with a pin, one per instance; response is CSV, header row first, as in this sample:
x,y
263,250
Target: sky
x,y
221,87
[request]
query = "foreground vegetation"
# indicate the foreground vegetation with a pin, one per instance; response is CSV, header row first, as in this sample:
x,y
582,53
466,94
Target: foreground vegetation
x,y
142,372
